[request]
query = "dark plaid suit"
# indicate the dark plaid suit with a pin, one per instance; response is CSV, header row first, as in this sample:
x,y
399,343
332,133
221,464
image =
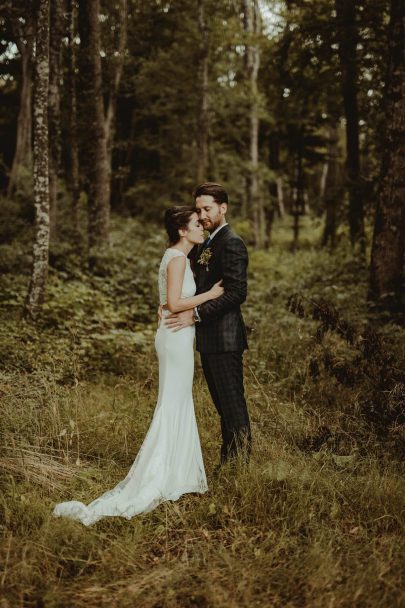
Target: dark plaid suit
x,y
221,335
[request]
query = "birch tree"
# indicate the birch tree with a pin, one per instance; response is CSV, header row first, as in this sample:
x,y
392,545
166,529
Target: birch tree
x,y
36,290
55,48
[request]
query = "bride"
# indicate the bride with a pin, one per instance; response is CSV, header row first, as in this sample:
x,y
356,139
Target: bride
x,y
169,462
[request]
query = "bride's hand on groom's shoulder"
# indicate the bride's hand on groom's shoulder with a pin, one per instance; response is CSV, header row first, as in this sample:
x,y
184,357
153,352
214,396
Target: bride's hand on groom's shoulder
x,y
179,320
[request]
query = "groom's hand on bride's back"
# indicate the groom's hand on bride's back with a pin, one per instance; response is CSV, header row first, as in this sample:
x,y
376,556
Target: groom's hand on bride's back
x,y
179,320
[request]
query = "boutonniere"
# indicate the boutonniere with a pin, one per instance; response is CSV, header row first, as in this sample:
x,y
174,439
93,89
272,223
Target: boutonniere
x,y
205,258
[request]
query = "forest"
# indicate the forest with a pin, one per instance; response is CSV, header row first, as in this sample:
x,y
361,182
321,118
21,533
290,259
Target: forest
x,y
110,113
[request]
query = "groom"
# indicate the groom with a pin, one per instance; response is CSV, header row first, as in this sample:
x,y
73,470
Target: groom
x,y
220,330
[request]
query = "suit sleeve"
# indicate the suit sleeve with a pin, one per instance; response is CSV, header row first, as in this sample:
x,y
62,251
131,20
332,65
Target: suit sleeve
x,y
234,273
192,256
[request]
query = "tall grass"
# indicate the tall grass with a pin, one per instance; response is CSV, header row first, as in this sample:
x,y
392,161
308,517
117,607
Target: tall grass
x,y
304,524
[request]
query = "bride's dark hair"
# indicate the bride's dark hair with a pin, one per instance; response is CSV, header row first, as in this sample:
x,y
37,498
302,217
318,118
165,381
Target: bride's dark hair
x,y
177,218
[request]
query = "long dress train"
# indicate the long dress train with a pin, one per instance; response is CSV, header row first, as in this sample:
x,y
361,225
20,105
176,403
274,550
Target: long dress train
x,y
169,463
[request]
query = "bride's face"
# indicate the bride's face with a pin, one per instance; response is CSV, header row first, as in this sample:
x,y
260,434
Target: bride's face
x,y
195,230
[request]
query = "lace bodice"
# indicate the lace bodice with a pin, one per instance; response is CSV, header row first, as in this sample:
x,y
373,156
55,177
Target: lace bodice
x,y
188,289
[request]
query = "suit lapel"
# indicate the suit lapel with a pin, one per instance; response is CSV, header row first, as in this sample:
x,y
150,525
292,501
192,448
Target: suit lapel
x,y
219,238
215,247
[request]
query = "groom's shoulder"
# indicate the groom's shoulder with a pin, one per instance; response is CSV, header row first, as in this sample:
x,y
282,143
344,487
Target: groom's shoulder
x,y
232,236
234,241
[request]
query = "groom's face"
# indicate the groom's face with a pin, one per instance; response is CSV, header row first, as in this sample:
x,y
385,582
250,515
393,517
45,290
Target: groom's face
x,y
211,213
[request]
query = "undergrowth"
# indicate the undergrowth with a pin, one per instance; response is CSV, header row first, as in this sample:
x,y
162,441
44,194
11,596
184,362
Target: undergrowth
x,y
316,519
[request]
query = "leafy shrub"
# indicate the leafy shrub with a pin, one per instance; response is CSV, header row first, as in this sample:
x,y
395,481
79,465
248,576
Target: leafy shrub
x,y
362,368
244,228
13,219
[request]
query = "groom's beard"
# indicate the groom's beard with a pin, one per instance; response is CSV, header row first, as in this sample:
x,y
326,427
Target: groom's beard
x,y
211,225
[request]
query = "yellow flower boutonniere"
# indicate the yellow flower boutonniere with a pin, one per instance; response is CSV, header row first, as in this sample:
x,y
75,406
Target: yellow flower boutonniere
x,y
205,258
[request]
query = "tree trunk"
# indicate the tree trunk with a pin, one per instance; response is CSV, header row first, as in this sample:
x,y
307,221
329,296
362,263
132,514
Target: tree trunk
x,y
324,175
55,47
72,115
252,60
273,205
112,102
331,190
95,142
270,211
23,149
389,231
298,202
347,39
203,119
36,290
280,197
125,155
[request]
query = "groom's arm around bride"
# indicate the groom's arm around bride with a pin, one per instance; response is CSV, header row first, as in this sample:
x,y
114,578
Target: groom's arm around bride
x,y
220,330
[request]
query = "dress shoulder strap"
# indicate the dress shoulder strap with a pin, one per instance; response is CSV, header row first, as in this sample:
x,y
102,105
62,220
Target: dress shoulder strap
x,y
170,254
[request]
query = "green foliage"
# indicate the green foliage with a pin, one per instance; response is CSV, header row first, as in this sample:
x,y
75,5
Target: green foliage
x,y
360,385
16,216
310,521
155,148
94,318
361,361
316,519
244,229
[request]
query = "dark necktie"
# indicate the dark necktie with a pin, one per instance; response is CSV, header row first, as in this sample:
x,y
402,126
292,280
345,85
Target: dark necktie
x,y
206,243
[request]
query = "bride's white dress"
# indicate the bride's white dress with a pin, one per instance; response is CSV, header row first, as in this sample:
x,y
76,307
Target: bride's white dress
x,y
169,462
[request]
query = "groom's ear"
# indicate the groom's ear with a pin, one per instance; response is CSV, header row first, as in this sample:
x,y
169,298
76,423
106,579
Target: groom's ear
x,y
224,208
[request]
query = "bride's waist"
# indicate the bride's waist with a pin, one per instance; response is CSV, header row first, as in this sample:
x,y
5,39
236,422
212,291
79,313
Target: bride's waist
x,y
165,310
168,329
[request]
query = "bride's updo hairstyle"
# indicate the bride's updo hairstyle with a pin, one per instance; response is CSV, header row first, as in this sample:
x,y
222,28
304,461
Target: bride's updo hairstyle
x,y
177,218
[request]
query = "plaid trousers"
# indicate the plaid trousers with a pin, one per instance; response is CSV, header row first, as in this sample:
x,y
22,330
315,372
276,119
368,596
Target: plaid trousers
x,y
224,375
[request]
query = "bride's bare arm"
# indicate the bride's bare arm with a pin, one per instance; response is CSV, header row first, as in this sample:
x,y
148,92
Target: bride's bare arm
x,y
175,275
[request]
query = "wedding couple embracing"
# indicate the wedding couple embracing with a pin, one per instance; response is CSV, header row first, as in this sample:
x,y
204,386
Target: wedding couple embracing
x,y
201,287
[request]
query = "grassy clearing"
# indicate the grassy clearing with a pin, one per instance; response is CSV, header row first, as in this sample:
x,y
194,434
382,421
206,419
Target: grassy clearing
x,y
306,524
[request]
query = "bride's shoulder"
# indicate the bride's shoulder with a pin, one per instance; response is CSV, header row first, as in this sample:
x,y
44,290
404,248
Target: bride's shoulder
x,y
173,253
169,254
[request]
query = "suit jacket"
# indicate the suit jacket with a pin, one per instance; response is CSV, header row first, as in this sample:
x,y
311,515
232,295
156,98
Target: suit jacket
x,y
222,328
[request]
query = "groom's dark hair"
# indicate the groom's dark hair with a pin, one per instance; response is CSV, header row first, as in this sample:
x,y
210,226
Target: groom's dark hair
x,y
217,192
